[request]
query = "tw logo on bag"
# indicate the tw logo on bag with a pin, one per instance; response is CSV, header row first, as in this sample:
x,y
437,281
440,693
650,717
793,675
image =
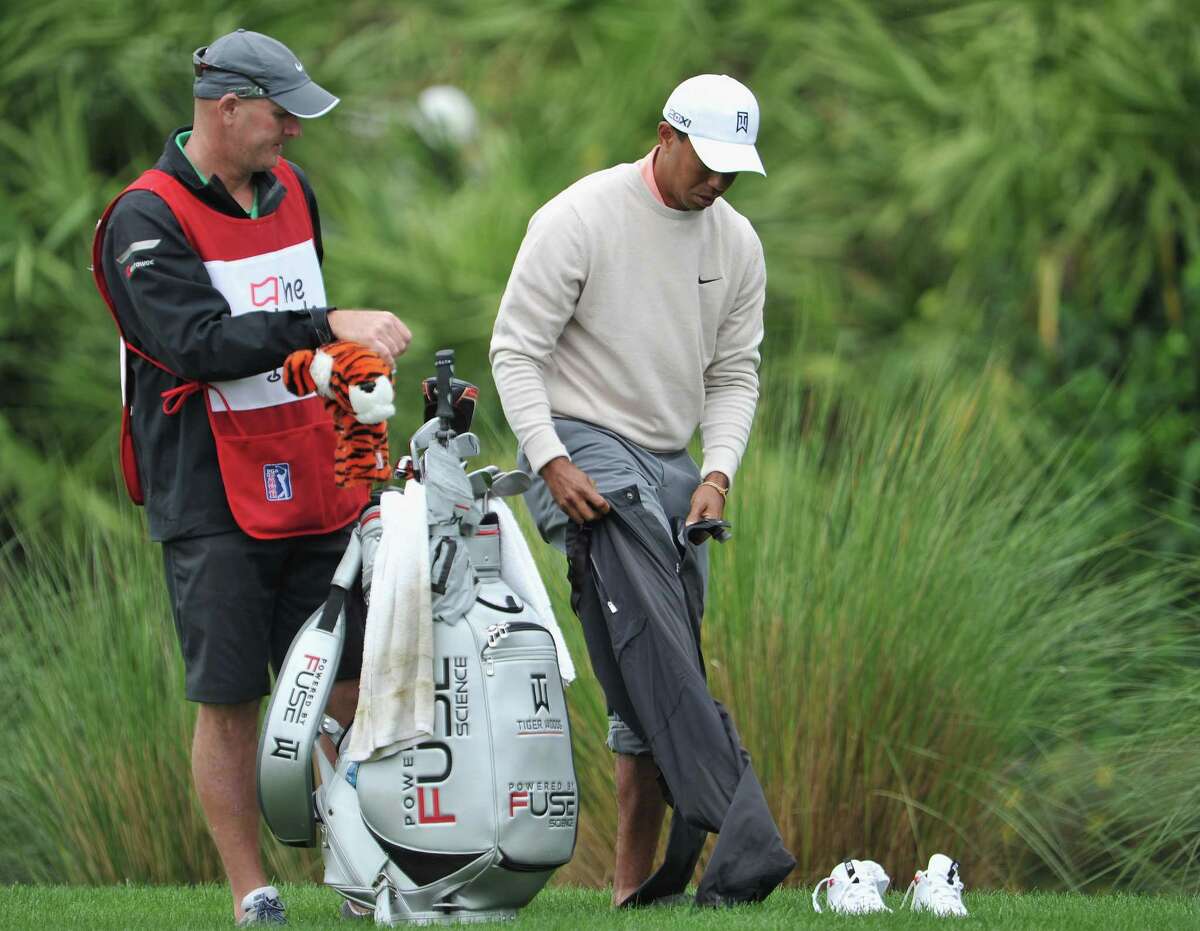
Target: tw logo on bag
x,y
541,694
277,479
539,725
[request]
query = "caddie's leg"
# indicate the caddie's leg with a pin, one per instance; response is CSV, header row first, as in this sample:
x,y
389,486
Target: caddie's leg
x,y
222,592
343,702
224,751
640,808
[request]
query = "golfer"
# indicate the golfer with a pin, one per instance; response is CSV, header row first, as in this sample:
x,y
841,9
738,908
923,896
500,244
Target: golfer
x,y
210,263
633,315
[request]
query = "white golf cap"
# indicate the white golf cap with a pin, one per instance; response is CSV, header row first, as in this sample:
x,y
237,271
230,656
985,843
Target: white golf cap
x,y
720,115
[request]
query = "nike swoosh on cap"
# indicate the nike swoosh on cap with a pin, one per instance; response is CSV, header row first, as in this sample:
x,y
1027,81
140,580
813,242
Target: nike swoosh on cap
x,y
707,280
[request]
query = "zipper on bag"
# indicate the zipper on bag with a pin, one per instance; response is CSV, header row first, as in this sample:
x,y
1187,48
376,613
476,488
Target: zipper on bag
x,y
496,633
519,656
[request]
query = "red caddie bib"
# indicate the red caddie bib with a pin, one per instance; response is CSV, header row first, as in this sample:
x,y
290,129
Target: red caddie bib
x,y
276,451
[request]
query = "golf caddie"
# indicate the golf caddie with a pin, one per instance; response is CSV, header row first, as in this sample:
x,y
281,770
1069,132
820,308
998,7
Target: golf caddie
x,y
632,317
210,263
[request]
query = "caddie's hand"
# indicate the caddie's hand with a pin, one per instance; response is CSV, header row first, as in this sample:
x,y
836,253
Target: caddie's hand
x,y
379,330
707,501
573,490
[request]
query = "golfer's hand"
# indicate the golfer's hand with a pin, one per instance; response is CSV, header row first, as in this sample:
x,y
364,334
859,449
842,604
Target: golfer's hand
x,y
573,490
379,330
707,501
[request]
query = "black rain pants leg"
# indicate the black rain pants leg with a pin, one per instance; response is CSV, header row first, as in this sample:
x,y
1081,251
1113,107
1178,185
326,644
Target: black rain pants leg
x,y
630,587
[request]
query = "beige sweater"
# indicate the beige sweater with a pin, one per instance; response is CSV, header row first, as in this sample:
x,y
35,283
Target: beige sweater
x,y
634,316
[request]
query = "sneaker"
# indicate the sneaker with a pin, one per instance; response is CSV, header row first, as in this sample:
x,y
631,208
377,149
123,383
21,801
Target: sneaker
x,y
938,889
855,887
262,907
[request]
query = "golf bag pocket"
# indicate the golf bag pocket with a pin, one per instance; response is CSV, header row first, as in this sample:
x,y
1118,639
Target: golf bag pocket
x,y
537,797
451,579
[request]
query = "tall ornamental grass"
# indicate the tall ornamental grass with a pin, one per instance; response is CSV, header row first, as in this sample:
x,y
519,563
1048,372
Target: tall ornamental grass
x,y
95,784
915,617
917,629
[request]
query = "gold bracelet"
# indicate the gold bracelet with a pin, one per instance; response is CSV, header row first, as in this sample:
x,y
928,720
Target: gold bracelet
x,y
724,491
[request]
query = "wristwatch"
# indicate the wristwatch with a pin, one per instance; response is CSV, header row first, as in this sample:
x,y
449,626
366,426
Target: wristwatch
x,y
320,322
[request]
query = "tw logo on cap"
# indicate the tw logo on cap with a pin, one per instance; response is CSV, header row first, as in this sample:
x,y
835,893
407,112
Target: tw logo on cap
x,y
743,122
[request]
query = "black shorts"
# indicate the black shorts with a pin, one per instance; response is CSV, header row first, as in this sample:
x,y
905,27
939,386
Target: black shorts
x,y
238,603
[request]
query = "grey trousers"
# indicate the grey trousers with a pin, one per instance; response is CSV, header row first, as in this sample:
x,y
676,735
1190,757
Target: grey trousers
x,y
666,482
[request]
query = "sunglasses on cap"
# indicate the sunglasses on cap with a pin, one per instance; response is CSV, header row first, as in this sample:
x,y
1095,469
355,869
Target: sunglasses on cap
x,y
200,67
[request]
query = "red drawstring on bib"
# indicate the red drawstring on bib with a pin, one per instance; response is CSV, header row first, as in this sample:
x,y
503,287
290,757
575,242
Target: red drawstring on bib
x,y
173,398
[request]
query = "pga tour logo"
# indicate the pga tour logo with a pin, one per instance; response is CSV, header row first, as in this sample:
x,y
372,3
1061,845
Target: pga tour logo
x,y
277,479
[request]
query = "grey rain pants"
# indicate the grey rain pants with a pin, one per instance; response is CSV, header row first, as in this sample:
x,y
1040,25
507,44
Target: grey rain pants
x,y
666,482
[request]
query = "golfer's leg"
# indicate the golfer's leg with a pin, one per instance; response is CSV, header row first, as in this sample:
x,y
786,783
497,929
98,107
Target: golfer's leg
x,y
613,463
224,749
640,807
640,802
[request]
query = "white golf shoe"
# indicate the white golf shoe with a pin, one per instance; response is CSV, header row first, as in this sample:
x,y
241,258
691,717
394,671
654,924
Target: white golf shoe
x,y
938,888
855,887
262,906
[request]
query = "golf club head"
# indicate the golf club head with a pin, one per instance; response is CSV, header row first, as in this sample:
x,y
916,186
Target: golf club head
x,y
507,484
421,439
465,445
463,396
481,480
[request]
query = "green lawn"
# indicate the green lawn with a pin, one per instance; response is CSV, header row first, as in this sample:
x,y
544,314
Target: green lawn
x,y
170,907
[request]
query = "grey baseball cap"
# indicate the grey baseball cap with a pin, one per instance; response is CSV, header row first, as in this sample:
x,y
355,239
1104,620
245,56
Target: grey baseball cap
x,y
251,65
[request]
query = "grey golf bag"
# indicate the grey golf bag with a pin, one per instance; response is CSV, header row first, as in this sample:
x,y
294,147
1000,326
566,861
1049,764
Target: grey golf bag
x,y
469,823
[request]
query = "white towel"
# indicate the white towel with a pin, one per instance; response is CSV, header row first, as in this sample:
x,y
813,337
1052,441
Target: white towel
x,y
520,573
395,698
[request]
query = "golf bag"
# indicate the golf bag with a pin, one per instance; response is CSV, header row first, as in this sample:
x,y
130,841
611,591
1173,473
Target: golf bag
x,y
469,823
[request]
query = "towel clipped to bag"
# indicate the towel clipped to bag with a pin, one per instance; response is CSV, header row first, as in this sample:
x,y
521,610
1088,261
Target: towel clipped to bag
x,y
395,691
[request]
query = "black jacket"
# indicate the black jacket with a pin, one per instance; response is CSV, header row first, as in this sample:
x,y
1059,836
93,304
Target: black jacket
x,y
170,310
